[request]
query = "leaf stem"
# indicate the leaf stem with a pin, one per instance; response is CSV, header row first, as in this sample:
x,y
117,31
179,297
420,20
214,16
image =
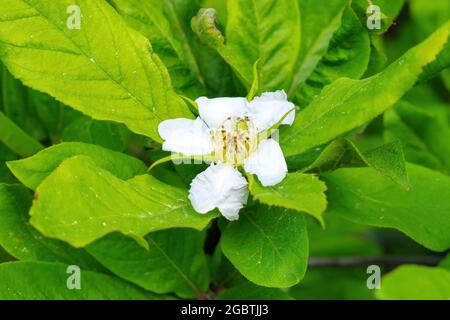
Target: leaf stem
x,y
16,139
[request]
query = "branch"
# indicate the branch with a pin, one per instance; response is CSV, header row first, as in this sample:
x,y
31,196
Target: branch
x,y
391,261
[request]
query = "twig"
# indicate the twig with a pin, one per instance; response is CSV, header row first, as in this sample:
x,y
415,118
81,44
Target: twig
x,y
369,260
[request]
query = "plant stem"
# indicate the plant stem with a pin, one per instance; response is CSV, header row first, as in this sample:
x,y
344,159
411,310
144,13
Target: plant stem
x,y
368,260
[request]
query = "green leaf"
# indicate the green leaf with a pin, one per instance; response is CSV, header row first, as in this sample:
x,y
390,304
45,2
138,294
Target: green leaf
x,y
298,191
424,133
248,291
317,29
47,281
263,30
81,202
346,284
269,246
378,57
158,21
414,282
387,159
389,10
210,63
16,139
23,242
6,155
19,107
363,196
347,104
32,171
341,238
445,263
254,89
347,56
174,263
112,76
53,115
442,63
102,133
427,16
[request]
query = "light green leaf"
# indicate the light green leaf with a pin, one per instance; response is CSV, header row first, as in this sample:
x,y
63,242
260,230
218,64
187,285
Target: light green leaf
x,y
269,246
158,21
254,89
32,171
298,191
48,281
174,263
23,242
107,134
81,202
249,291
414,282
347,104
16,139
347,56
256,29
363,196
317,29
105,69
387,159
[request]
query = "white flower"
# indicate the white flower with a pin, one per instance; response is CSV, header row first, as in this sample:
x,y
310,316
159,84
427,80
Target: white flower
x,y
229,129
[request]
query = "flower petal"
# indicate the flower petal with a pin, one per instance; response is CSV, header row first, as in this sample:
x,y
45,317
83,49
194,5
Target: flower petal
x,y
189,137
215,111
268,163
220,186
269,108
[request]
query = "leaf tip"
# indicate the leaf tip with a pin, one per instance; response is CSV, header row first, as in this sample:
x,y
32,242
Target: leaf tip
x,y
204,25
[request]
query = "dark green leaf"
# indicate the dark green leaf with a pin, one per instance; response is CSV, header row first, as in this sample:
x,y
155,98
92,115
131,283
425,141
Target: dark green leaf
x,y
47,281
23,242
269,246
174,263
298,191
364,196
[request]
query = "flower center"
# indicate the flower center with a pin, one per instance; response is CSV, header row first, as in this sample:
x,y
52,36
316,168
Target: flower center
x,y
235,140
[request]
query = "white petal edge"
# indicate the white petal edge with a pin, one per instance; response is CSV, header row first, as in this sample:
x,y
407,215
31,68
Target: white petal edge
x,y
215,111
268,163
186,136
267,109
220,186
